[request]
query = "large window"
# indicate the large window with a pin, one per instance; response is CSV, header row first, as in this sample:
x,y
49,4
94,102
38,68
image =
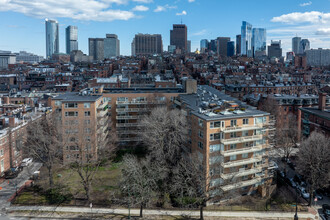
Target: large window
x,y
233,123
245,121
71,105
71,114
87,105
87,113
200,145
233,157
214,148
200,122
215,136
215,124
200,134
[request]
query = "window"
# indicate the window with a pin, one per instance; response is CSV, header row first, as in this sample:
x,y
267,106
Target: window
x,y
233,123
71,114
200,145
1,152
233,134
245,121
215,124
58,103
87,130
215,136
245,133
87,113
88,138
87,105
200,134
72,139
71,105
87,122
245,155
233,157
232,146
214,148
200,122
122,99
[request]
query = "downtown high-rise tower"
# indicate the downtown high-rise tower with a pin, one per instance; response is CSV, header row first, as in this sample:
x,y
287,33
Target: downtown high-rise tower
x,y
71,40
178,37
52,38
246,39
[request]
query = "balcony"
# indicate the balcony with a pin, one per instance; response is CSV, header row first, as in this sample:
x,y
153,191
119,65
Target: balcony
x,y
241,139
242,128
102,114
131,102
241,173
132,139
132,110
242,150
102,106
128,117
241,162
242,184
126,125
127,132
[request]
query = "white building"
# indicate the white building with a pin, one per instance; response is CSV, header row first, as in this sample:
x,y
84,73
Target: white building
x,y
6,58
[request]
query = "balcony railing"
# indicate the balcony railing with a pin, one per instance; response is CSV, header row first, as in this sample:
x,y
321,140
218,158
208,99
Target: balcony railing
x,y
242,150
102,106
126,125
241,139
132,109
242,184
241,162
242,128
132,102
241,173
101,114
128,117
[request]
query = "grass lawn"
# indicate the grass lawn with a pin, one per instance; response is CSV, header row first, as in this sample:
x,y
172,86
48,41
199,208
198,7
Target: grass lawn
x,y
30,198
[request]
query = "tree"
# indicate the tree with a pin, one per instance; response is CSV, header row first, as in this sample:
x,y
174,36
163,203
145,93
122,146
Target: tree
x,y
138,181
314,161
164,132
44,142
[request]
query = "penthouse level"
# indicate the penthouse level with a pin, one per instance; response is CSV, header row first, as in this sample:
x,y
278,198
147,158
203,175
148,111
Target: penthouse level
x,y
231,139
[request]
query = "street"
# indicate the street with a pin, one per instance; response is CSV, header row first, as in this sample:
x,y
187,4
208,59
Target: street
x,y
9,186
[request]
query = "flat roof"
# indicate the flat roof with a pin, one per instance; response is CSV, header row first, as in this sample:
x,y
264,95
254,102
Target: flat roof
x,y
143,90
315,111
77,97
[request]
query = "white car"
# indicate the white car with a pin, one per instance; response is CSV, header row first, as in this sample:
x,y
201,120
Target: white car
x,y
305,194
26,162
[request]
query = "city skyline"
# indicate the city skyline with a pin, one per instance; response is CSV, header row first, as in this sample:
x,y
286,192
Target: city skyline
x,y
126,18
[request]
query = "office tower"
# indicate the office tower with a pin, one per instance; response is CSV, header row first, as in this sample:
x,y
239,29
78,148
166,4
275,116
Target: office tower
x,y
204,45
147,44
275,50
230,48
188,46
71,33
111,46
222,45
96,48
238,44
213,46
258,40
319,57
295,45
178,37
246,39
52,38
304,45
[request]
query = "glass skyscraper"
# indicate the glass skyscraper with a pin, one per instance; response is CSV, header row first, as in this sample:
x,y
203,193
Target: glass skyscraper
x,y
295,45
230,48
52,39
111,46
304,45
204,45
258,40
246,39
71,38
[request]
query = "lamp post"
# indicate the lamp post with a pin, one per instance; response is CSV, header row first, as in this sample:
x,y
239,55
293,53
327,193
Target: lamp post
x,y
296,215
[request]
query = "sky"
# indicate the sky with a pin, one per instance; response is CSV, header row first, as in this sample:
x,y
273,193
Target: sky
x,y
22,22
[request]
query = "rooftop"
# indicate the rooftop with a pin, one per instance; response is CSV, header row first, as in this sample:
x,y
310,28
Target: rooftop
x,y
318,112
77,97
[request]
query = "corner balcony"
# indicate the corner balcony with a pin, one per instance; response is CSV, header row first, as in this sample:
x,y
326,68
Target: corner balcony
x,y
128,117
241,139
242,128
241,173
241,184
102,106
242,150
102,114
132,110
236,163
131,102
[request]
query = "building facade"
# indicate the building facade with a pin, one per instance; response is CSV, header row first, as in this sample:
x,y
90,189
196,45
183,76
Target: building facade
x,y
71,33
230,48
111,46
6,58
26,57
318,58
179,37
258,40
144,44
204,45
246,39
222,45
96,48
52,38
238,44
304,45
275,50
296,44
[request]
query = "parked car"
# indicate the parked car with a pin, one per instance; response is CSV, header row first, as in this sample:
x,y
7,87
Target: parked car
x,y
305,194
293,183
13,172
26,162
326,209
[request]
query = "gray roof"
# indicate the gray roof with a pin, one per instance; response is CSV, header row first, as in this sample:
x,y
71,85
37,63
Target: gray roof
x,y
77,97
315,111
209,94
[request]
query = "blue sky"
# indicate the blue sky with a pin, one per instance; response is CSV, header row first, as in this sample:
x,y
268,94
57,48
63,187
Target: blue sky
x,y
22,21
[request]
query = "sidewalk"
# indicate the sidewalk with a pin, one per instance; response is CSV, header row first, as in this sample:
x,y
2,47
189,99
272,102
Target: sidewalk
x,y
148,212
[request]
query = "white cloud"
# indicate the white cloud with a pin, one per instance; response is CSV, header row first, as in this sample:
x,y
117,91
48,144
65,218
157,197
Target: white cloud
x,y
191,1
164,8
143,1
305,4
182,13
140,8
88,10
323,31
200,33
303,17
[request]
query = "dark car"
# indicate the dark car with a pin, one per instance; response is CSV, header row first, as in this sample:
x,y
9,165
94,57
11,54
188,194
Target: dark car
x,y
326,209
13,172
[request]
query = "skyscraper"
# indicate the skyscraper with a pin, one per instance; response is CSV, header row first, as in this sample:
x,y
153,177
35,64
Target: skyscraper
x,y
71,33
96,48
147,44
222,45
246,39
230,48
111,46
189,46
178,37
52,39
238,44
258,40
204,45
275,50
304,45
213,46
295,45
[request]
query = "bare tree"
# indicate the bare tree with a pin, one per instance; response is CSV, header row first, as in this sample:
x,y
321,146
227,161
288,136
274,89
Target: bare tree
x,y
164,133
313,161
44,142
138,181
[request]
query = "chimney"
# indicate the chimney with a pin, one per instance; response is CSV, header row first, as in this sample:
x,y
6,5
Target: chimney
x,y
6,100
11,122
322,100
